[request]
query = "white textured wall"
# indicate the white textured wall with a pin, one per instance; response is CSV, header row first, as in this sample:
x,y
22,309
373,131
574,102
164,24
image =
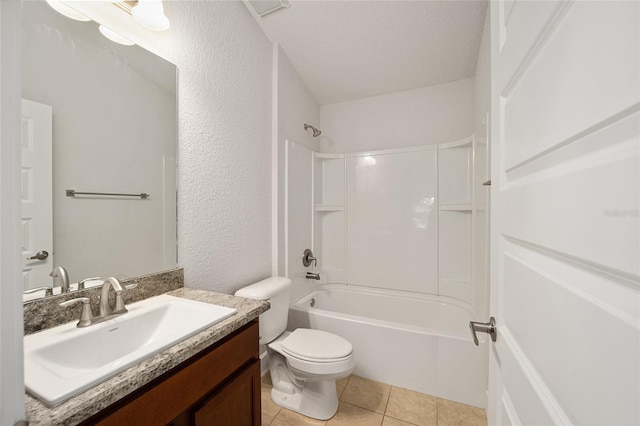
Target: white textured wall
x,y
427,115
224,155
224,201
295,107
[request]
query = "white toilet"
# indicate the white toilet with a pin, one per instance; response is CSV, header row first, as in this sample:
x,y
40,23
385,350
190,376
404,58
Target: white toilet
x,y
304,364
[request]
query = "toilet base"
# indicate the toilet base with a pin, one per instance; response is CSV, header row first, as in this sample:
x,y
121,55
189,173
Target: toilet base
x,y
318,400
313,396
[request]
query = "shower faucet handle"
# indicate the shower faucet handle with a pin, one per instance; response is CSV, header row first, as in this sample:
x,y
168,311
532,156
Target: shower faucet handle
x,y
308,257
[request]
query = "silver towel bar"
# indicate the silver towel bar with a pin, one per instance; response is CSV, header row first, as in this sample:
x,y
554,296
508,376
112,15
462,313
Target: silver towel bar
x,y
73,193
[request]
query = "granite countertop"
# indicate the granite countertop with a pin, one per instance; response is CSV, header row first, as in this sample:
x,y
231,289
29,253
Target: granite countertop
x,y
101,396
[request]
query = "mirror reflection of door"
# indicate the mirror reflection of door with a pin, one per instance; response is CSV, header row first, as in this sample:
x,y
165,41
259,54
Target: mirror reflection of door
x,y
37,216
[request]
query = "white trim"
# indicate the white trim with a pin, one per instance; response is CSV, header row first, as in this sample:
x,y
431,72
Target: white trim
x,y
11,330
327,156
286,208
546,32
436,194
461,143
329,208
274,162
345,264
509,409
313,203
460,207
551,404
474,223
391,151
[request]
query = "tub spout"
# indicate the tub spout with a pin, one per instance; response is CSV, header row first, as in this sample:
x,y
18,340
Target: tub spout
x,y
312,276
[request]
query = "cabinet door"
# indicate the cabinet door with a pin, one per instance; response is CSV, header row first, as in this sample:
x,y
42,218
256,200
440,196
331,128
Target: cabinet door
x,y
236,404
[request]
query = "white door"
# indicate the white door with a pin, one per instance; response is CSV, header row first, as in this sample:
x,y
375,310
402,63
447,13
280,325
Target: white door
x,y
565,213
37,218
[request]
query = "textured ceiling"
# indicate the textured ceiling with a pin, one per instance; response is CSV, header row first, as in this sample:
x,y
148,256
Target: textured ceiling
x,y
346,50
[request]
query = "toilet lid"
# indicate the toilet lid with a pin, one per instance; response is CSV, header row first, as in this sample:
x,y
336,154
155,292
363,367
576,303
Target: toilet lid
x,y
316,345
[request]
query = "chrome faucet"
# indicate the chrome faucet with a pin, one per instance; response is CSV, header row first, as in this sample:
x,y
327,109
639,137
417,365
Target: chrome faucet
x,y
106,313
105,309
307,259
60,279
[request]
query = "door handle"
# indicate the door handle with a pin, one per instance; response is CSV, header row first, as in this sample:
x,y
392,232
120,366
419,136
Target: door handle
x,y
41,255
484,327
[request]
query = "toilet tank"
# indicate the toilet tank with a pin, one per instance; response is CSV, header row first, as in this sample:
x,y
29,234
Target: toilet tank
x,y
275,290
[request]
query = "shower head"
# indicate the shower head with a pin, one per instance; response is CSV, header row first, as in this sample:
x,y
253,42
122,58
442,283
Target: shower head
x,y
316,132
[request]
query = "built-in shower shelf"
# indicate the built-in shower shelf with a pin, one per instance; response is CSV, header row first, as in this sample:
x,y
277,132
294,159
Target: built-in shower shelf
x,y
327,156
460,207
329,208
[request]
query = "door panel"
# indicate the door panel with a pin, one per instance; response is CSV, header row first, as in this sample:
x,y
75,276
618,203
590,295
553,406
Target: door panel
x,y
575,65
37,210
565,224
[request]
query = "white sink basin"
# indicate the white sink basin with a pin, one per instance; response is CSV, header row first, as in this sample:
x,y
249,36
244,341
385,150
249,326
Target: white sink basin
x,y
64,361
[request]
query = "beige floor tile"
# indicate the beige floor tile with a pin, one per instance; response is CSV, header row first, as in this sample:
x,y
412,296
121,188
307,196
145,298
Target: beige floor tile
x,y
366,393
390,421
291,418
268,406
412,407
341,384
350,415
266,420
455,414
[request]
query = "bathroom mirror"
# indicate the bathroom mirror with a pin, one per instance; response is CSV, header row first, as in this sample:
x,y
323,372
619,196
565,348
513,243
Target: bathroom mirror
x,y
113,116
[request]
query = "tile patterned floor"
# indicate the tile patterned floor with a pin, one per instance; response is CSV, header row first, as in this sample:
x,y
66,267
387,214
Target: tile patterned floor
x,y
365,402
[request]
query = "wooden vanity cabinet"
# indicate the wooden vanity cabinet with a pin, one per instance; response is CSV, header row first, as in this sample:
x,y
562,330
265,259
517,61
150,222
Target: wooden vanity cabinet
x,y
218,386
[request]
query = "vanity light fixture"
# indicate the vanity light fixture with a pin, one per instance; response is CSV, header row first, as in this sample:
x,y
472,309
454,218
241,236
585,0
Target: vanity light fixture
x,y
67,10
114,36
150,14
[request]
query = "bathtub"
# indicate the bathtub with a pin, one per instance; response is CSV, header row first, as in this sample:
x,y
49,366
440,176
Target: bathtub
x,y
416,342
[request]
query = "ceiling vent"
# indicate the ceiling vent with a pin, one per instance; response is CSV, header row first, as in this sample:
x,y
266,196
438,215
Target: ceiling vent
x,y
267,7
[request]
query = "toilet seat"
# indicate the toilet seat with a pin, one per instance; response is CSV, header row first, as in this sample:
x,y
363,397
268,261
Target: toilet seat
x,y
304,354
316,346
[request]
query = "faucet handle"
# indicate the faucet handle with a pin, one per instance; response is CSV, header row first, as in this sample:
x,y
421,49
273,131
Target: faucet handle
x,y
85,315
48,291
82,282
308,257
119,308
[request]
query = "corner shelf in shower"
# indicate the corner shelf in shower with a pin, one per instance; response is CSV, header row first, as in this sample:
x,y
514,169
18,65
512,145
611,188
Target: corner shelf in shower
x,y
329,208
327,156
460,207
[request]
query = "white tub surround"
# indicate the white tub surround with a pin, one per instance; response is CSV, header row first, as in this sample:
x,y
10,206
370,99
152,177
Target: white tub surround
x,y
403,219
417,342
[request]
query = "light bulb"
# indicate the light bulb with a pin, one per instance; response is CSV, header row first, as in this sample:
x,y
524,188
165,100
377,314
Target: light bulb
x,y
114,36
150,13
